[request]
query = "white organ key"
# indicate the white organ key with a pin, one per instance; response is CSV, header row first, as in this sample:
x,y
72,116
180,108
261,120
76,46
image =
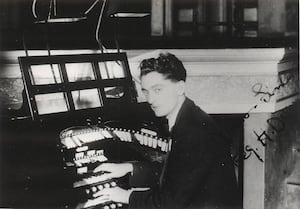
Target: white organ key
x,y
129,136
154,142
147,131
106,134
76,141
89,180
170,144
82,138
118,134
89,137
124,132
83,160
150,141
79,156
68,142
91,153
163,146
102,158
93,136
122,135
139,137
145,138
82,149
99,134
82,170
96,156
167,146
159,142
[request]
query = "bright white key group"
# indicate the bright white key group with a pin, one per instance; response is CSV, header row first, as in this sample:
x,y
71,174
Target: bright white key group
x,y
72,139
77,138
89,156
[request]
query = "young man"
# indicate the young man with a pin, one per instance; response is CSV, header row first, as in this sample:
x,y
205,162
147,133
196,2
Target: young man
x,y
198,171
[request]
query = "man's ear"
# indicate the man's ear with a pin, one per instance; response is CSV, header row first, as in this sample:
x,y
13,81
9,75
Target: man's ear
x,y
180,87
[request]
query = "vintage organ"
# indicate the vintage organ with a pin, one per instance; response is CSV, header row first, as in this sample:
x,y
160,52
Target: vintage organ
x,y
86,147
86,104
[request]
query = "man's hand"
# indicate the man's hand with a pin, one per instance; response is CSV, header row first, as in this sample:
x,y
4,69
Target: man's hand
x,y
114,170
115,194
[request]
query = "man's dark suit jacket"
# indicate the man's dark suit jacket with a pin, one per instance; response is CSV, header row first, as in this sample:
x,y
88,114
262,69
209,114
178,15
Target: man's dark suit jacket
x,y
199,172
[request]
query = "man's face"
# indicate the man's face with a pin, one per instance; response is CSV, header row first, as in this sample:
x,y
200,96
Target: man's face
x,y
162,94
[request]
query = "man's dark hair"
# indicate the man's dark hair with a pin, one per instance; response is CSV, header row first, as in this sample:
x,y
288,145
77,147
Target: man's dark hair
x,y
166,64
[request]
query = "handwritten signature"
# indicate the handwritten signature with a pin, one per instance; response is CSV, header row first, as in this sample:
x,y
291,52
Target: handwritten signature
x,y
248,152
276,124
257,89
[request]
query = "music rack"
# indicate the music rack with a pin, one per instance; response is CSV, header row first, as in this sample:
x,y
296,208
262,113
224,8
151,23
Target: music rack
x,y
76,84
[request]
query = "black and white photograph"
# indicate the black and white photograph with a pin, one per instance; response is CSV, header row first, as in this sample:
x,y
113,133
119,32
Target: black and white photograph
x,y
149,104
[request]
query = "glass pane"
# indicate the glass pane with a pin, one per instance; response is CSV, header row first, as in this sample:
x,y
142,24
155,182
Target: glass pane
x,y
88,98
111,69
45,74
250,14
51,103
80,72
114,92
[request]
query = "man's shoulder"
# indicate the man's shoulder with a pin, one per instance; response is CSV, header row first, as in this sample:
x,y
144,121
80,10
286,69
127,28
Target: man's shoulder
x,y
193,120
194,113
196,122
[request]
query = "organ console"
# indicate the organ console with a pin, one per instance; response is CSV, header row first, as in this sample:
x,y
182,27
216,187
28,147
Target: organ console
x,y
84,148
88,103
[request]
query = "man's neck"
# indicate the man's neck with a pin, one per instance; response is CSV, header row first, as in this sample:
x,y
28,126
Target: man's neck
x,y
173,115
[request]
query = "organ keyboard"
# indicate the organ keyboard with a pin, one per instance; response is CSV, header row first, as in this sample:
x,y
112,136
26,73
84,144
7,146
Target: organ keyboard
x,y
85,147
76,137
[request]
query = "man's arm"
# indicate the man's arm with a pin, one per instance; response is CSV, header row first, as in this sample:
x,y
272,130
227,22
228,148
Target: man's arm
x,y
114,170
140,172
188,167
